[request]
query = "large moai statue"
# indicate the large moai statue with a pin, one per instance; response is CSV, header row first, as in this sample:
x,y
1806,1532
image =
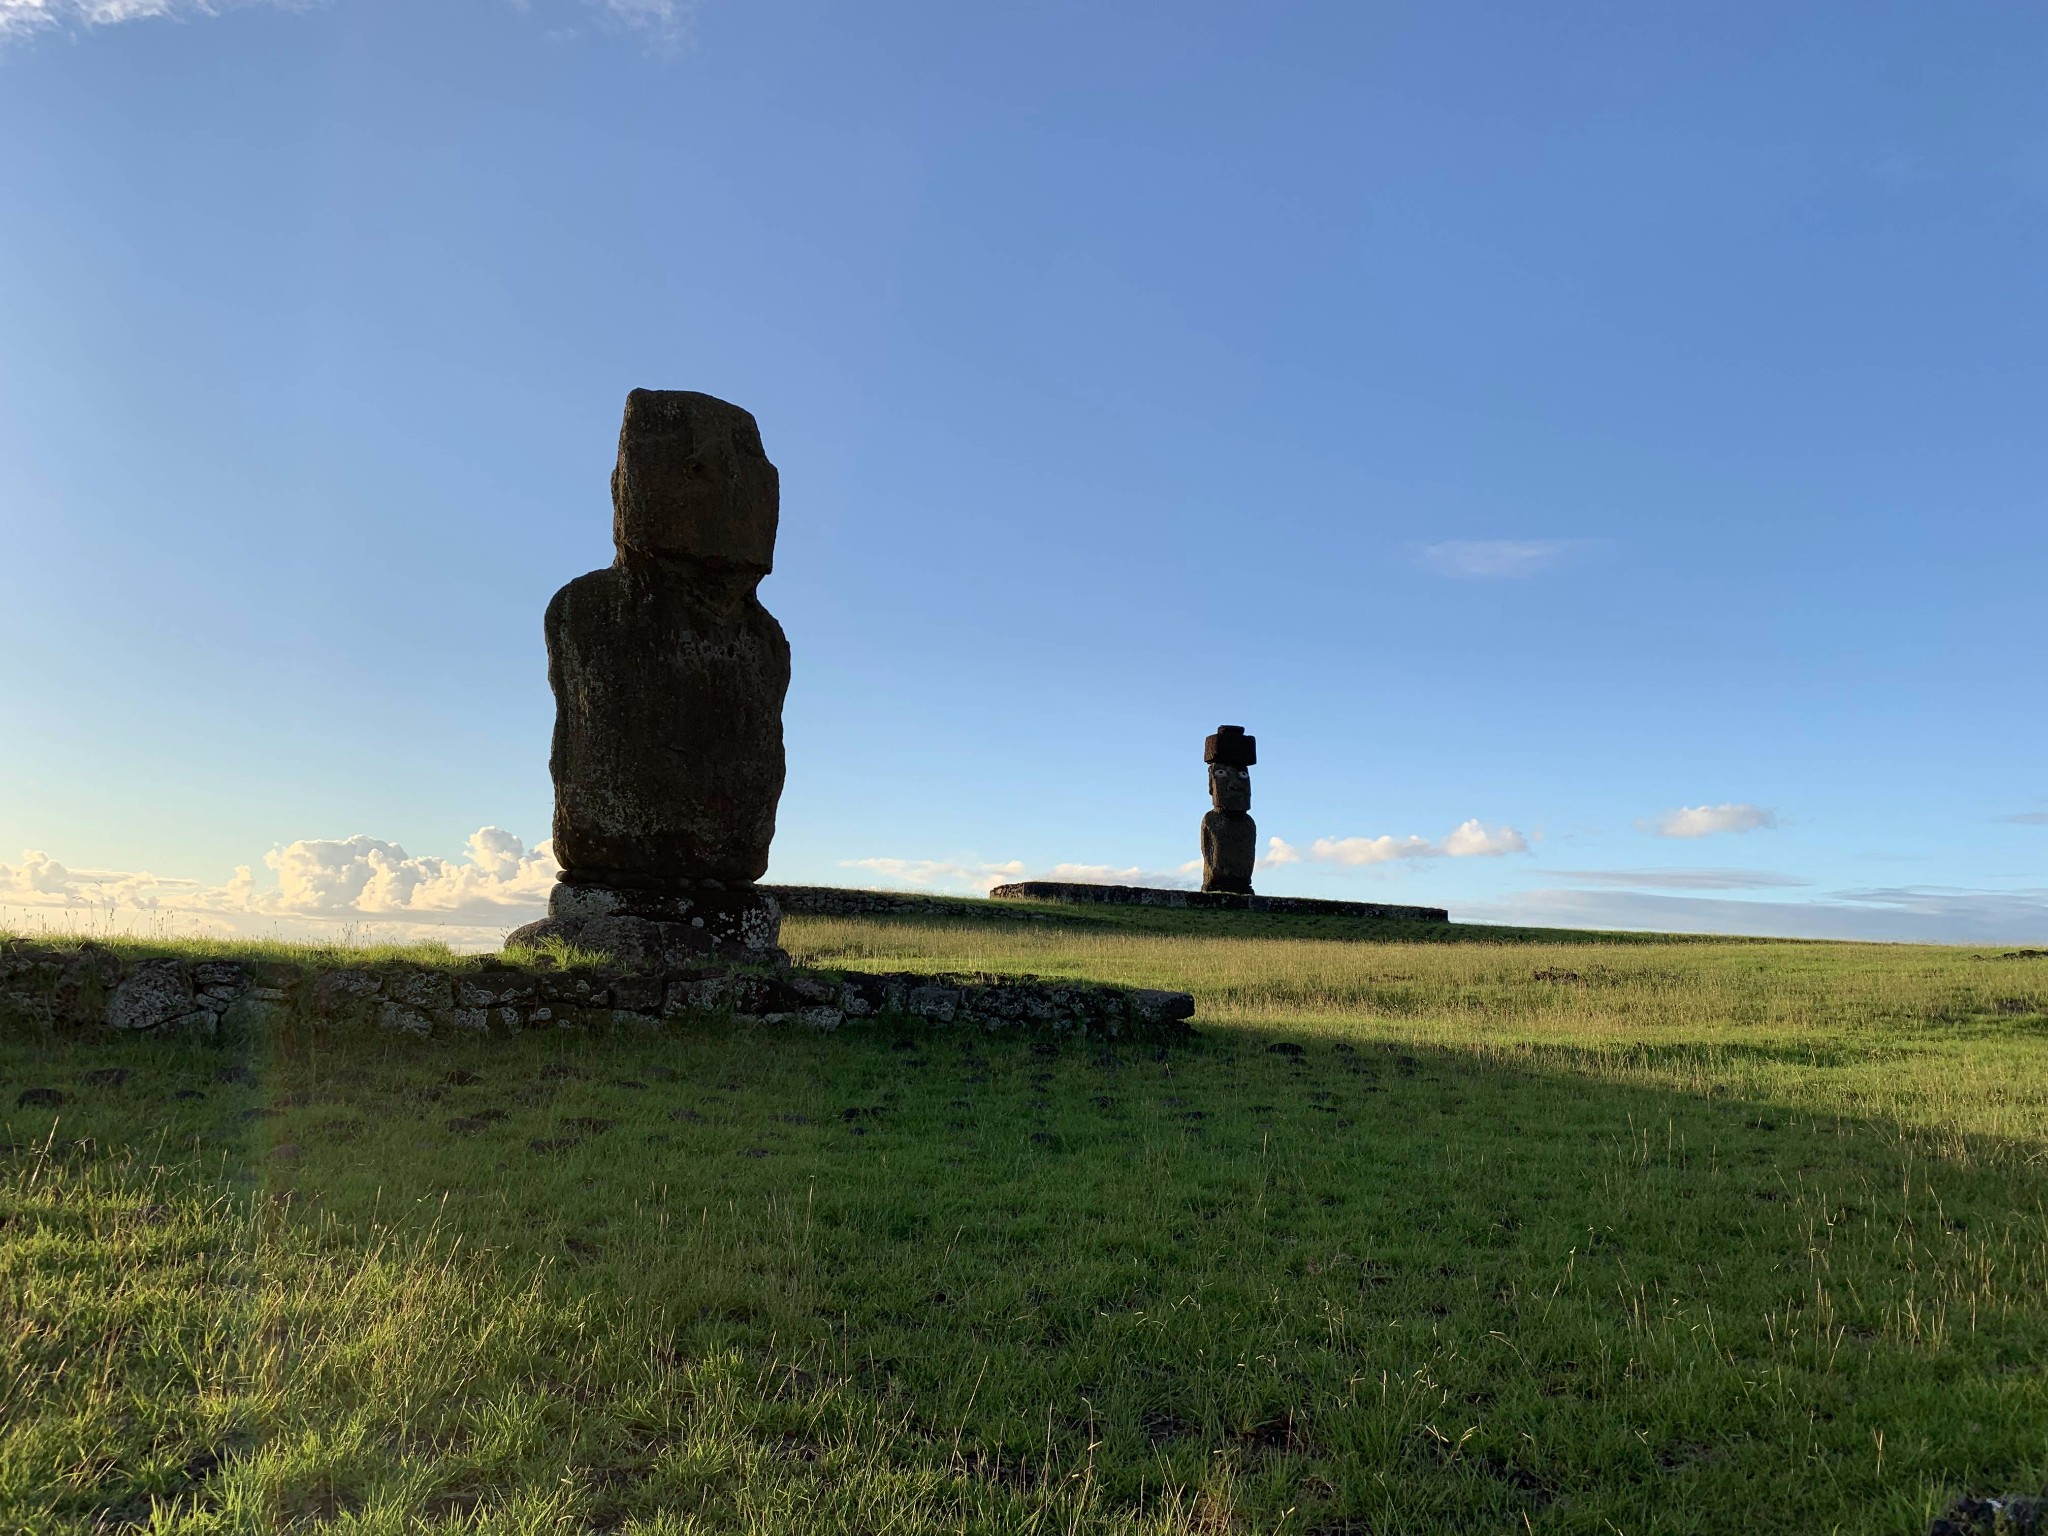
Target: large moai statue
x,y
669,678
1230,838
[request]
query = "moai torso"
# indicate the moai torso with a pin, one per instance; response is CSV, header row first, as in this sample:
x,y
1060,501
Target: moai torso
x,y
668,674
1230,838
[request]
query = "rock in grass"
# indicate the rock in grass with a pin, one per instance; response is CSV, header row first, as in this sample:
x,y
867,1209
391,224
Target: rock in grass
x,y
2013,1515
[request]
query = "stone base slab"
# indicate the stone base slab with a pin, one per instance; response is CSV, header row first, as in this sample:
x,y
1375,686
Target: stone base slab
x,y
662,930
1075,893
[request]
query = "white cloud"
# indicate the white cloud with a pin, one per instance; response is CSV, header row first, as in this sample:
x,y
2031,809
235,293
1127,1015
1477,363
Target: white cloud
x,y
36,875
1467,840
318,882
1486,559
41,881
1279,851
1706,820
366,876
1371,850
1470,839
666,23
1095,874
940,873
1901,914
1682,879
19,18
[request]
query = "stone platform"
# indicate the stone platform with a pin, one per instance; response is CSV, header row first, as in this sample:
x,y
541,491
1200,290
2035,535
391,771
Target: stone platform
x,y
50,987
1075,893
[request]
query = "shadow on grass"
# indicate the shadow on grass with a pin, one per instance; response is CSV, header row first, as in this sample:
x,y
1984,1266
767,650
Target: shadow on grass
x,y
900,1277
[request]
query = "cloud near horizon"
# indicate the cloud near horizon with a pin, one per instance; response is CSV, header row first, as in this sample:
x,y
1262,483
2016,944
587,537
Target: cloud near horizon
x,y
1891,914
981,878
318,882
1706,820
1469,839
1682,879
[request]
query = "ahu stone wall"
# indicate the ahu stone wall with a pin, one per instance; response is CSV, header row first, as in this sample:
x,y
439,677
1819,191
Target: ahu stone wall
x,y
91,986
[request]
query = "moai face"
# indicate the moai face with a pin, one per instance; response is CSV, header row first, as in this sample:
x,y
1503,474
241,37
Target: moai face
x,y
1230,787
693,484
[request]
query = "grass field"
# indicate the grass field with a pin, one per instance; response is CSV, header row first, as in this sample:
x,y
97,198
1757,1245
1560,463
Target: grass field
x,y
1485,1236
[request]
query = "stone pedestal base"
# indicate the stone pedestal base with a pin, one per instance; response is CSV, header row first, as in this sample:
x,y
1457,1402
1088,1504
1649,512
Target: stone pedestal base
x,y
662,930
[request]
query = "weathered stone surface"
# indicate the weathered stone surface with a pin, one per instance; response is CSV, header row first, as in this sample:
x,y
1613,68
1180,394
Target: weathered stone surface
x,y
220,976
421,990
643,994
534,935
693,483
1159,1007
668,673
931,1002
336,993
400,1019
82,985
670,928
581,989
1230,848
698,996
153,994
493,987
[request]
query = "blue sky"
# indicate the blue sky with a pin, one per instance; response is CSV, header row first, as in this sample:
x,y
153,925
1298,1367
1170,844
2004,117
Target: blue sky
x,y
1596,448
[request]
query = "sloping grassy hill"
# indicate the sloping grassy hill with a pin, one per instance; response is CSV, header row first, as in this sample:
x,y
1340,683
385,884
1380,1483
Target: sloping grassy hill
x,y
1544,1236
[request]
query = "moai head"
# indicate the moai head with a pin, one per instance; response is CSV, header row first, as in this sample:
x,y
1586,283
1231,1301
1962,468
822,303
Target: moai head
x,y
1230,787
693,484
1230,755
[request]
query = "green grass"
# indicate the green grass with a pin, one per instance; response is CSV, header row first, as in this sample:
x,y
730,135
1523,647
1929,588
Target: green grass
x,y
1646,1236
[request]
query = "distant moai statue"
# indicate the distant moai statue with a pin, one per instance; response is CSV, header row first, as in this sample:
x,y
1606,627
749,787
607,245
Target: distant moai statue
x,y
669,678
1230,839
